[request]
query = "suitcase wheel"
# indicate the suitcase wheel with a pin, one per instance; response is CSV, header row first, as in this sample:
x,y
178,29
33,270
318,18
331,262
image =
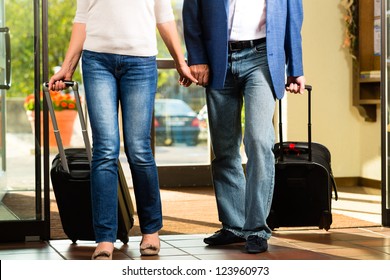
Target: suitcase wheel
x,y
326,220
272,220
125,240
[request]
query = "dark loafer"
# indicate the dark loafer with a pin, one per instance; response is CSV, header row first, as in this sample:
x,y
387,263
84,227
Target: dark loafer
x,y
255,244
223,237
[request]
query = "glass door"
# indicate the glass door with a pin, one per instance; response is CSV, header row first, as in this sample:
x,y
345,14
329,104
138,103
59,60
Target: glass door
x,y
22,211
385,109
182,141
4,86
181,138
182,147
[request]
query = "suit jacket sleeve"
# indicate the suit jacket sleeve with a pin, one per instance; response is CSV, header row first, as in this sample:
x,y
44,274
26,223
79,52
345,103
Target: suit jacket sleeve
x,y
293,40
193,33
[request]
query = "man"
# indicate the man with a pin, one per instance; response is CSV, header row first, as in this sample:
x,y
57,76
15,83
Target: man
x,y
242,50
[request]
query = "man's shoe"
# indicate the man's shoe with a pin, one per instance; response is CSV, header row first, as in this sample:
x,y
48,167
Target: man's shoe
x,y
255,244
223,237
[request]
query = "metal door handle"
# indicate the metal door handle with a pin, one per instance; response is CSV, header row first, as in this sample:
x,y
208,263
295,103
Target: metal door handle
x,y
7,84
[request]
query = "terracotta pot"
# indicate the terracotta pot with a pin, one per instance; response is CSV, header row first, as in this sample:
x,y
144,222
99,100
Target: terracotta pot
x,y
65,121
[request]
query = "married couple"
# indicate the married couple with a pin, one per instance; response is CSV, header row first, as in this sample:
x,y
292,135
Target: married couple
x,y
238,50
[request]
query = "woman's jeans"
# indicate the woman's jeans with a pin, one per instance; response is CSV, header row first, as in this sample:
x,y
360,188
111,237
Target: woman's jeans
x,y
111,80
244,201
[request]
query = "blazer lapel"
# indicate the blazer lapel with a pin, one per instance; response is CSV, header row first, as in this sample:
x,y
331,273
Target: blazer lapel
x,y
226,5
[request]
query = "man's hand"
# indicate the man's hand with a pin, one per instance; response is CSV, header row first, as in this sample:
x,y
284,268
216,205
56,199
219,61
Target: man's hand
x,y
201,73
296,84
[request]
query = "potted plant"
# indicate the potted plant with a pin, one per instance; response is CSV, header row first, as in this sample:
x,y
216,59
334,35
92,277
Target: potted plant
x,y
61,101
64,105
350,14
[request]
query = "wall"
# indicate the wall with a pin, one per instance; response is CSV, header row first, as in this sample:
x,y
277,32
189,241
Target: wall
x,y
353,143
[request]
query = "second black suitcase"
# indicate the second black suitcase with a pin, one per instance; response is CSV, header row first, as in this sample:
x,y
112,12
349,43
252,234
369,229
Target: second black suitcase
x,y
70,175
303,182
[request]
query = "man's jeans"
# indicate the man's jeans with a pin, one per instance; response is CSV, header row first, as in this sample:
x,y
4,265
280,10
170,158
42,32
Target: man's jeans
x,y
244,201
111,80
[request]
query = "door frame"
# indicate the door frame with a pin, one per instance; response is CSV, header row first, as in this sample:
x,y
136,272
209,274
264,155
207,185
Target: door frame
x,y
385,141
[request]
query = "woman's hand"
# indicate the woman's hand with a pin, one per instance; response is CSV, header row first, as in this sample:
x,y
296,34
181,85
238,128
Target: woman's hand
x,y
56,81
71,60
186,78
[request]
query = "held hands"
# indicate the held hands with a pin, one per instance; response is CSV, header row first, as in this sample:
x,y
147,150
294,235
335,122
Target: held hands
x,y
186,78
197,74
296,84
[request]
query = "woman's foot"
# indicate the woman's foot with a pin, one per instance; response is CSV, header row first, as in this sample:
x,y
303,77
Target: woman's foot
x,y
150,244
103,251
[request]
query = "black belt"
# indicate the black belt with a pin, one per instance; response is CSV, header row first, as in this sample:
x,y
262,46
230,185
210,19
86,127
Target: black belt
x,y
240,45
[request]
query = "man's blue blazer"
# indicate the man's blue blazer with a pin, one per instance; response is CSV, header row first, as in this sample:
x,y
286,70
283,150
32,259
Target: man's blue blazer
x,y
206,37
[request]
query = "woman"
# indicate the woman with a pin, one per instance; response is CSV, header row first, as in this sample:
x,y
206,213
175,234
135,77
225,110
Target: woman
x,y
117,40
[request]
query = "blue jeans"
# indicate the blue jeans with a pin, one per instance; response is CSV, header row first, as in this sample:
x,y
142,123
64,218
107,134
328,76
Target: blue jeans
x,y
111,81
243,201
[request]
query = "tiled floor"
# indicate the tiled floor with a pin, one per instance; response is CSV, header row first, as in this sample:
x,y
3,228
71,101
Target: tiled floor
x,y
337,244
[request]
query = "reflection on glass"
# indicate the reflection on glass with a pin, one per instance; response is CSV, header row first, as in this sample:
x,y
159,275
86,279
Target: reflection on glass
x,y
182,136
17,179
175,122
180,123
18,182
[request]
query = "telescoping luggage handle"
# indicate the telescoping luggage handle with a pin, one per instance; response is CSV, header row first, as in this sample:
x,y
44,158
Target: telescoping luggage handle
x,y
308,88
74,85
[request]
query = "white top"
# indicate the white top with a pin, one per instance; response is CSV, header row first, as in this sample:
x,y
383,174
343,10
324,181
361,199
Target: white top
x,y
125,27
247,19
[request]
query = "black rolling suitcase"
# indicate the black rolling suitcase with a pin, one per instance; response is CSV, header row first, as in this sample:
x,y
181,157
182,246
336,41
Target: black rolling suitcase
x,y
70,176
303,182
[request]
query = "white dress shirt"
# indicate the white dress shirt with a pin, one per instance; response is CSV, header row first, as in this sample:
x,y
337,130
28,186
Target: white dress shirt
x,y
247,19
